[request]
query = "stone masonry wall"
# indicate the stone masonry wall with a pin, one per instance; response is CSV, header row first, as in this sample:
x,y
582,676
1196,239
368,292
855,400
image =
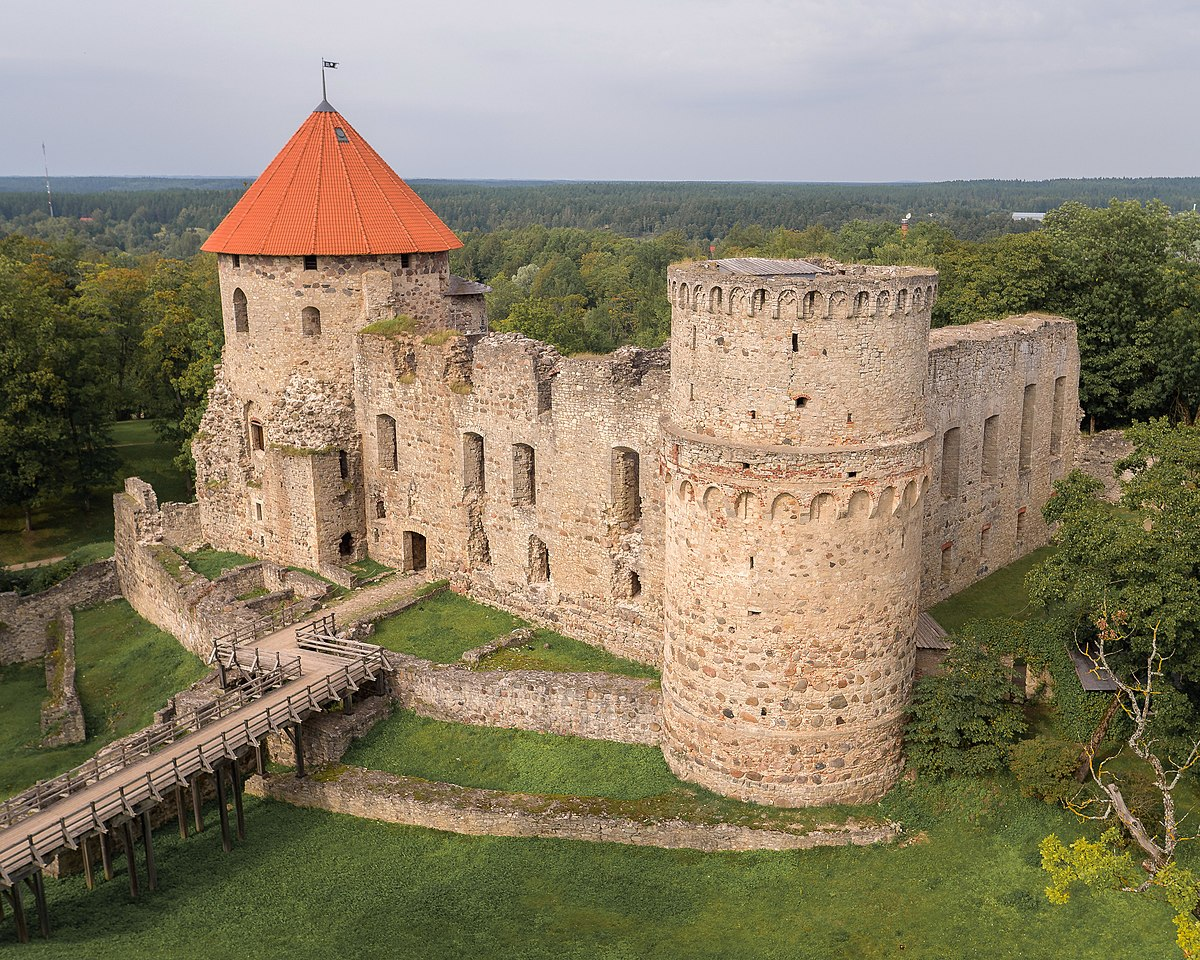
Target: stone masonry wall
x,y
375,795
1097,455
499,456
1017,382
23,620
161,587
597,706
62,711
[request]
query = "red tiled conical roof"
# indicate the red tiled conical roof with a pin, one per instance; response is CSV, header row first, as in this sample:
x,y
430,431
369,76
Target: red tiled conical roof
x,y
328,193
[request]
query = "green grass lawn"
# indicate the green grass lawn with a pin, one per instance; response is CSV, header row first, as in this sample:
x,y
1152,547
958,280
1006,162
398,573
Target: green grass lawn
x,y
61,527
126,669
443,627
310,884
210,563
1001,594
520,761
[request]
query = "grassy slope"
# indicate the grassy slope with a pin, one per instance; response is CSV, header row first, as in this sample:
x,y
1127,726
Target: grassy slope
x,y
61,527
312,884
126,669
442,627
516,760
1001,594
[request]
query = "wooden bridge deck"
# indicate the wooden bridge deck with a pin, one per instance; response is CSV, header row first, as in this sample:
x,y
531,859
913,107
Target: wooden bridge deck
x,y
305,669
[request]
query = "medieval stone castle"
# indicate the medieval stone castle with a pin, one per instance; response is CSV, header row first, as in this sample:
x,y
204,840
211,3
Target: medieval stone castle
x,y
762,507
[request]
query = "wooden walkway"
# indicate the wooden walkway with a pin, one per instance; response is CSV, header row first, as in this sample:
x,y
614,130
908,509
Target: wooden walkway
x,y
283,677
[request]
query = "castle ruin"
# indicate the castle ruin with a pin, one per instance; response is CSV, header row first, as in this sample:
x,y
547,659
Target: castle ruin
x,y
762,506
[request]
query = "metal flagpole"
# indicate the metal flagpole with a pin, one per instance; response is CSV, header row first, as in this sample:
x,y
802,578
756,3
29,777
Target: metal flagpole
x,y
326,65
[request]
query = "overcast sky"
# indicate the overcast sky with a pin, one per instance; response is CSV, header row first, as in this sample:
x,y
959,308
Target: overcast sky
x,y
826,90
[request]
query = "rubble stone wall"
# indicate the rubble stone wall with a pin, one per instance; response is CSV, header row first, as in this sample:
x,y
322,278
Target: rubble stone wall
x,y
598,706
1017,381
24,620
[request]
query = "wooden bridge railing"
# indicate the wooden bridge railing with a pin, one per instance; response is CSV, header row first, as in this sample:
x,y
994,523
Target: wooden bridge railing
x,y
143,744
23,853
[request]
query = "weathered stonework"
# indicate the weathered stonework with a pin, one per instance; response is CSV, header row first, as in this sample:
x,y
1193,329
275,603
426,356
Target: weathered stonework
x,y
24,620
375,795
761,507
598,706
62,711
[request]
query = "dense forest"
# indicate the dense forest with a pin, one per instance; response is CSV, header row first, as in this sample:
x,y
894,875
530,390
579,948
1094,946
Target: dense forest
x,y
118,315
171,216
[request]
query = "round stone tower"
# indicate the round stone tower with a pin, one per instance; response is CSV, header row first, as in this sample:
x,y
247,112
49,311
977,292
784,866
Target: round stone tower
x,y
796,457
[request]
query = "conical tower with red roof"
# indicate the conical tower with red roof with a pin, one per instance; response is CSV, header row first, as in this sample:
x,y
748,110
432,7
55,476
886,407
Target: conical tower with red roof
x,y
328,240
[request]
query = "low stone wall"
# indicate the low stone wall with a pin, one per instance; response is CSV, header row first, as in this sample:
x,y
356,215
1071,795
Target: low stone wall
x,y
161,587
24,620
1097,455
442,806
62,710
327,736
599,706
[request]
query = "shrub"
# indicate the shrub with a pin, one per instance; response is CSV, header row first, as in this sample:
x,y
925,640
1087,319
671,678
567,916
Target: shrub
x,y
962,720
1045,768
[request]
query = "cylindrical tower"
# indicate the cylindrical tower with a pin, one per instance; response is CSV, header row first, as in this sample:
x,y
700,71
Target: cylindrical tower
x,y
796,456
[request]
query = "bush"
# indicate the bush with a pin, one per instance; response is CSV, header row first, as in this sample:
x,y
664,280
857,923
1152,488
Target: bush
x,y
962,720
1045,768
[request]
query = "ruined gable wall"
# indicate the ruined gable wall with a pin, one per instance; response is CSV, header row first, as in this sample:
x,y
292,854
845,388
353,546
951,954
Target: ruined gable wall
x,y
509,390
984,512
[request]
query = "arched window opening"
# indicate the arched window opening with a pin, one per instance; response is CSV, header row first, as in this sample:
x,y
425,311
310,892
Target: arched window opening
x,y
524,488
473,479
991,447
1056,423
346,545
310,322
626,486
241,319
1028,408
380,509
385,440
950,463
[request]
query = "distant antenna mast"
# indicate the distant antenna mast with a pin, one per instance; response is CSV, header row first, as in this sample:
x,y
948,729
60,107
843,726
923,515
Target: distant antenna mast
x,y
326,65
46,167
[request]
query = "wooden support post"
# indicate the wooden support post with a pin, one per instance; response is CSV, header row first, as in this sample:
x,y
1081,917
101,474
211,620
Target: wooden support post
x,y
298,743
148,845
39,899
85,848
221,672
196,814
348,704
106,855
260,757
235,771
226,840
14,896
130,856
180,813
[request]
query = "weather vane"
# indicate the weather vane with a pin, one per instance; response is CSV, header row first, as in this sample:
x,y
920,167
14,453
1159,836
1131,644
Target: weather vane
x,y
326,65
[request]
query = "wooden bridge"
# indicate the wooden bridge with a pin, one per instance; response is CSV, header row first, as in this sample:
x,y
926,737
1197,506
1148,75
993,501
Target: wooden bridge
x,y
272,680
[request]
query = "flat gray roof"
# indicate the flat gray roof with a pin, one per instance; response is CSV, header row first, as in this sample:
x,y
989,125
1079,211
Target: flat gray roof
x,y
760,267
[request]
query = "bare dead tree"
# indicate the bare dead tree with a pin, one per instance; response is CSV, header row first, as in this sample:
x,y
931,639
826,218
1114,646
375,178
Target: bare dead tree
x,y
1136,696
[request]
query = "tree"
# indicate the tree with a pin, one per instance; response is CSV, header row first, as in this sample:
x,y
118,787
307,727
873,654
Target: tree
x,y
963,719
54,422
1108,862
1143,559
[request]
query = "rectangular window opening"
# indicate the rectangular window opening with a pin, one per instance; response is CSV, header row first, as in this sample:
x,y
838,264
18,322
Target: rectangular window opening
x,y
991,447
1028,408
950,463
1056,423
310,261
795,343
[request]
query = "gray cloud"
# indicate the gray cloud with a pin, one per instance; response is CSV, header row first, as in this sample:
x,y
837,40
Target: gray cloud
x,y
673,89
